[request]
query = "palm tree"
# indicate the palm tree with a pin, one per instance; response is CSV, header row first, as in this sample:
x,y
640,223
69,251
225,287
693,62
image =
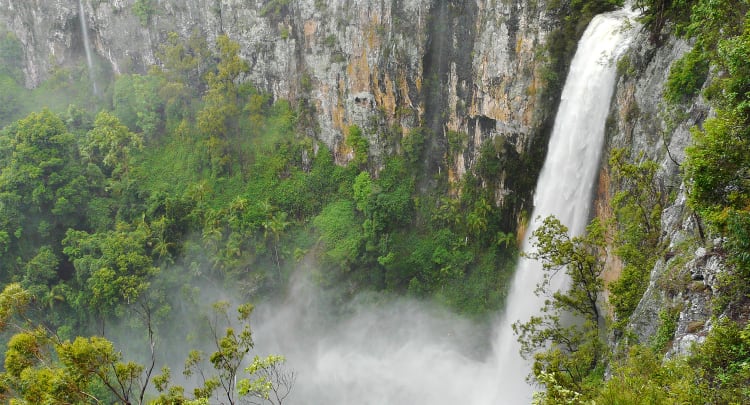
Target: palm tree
x,y
275,225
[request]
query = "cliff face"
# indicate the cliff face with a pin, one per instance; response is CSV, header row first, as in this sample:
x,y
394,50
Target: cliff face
x,y
683,281
465,66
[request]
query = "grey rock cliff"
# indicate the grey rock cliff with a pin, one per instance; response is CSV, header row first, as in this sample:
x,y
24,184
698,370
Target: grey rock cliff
x,y
683,280
367,63
472,67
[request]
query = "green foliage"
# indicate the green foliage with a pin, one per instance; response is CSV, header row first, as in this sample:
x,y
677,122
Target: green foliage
x,y
457,143
112,269
663,337
11,102
87,370
184,64
656,14
358,142
144,10
413,145
340,231
643,377
716,372
723,363
717,162
39,367
218,118
137,103
637,208
14,300
269,381
686,77
274,7
11,56
110,145
43,189
567,355
733,285
711,22
232,337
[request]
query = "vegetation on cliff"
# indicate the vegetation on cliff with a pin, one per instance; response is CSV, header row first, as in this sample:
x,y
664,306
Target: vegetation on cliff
x,y
715,172
189,176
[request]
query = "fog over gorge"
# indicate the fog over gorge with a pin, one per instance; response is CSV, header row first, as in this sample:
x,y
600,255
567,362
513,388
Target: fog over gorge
x,y
405,352
396,202
395,351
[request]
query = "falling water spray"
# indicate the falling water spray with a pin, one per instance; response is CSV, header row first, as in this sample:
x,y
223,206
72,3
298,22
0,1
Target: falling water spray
x,y
567,179
87,46
405,352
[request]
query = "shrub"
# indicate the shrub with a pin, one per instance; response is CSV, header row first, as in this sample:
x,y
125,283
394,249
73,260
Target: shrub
x,y
686,77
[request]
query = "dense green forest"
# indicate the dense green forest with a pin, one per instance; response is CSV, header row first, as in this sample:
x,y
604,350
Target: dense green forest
x,y
185,177
116,210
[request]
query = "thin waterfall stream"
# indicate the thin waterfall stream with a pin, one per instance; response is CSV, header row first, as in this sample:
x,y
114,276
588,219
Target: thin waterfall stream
x,y
87,46
407,352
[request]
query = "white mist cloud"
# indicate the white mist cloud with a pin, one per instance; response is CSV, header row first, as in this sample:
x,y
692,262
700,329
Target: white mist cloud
x,y
380,352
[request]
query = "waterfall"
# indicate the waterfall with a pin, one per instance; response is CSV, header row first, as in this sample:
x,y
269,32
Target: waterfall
x,y
566,183
403,352
87,45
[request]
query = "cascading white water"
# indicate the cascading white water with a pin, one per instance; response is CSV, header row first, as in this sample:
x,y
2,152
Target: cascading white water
x,y
405,352
565,185
87,45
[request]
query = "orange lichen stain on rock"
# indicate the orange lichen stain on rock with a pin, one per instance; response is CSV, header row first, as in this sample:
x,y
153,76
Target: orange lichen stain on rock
x,y
490,100
373,31
453,181
344,154
522,225
358,71
325,92
498,107
310,28
386,100
403,87
603,210
338,113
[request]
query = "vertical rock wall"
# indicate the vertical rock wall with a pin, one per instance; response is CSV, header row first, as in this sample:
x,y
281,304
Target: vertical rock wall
x,y
683,280
367,62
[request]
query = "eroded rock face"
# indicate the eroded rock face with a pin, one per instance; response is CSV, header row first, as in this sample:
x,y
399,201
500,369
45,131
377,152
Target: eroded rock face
x,y
684,280
362,62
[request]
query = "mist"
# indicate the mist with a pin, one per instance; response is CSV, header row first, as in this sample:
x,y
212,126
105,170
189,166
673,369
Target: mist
x,y
380,351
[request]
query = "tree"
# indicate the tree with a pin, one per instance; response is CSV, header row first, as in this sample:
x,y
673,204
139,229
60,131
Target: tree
x,y
40,367
359,144
43,190
110,144
274,225
218,118
567,353
183,66
137,103
717,164
341,233
266,381
112,269
637,207
270,382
